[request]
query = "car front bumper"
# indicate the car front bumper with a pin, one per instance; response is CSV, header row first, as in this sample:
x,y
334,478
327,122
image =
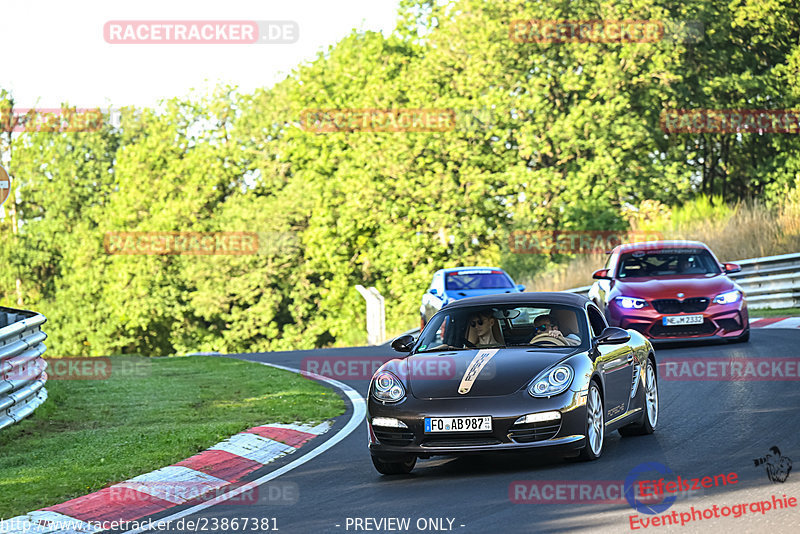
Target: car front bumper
x,y
720,321
564,435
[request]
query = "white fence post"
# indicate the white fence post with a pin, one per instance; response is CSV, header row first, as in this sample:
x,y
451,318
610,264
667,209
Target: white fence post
x,y
376,315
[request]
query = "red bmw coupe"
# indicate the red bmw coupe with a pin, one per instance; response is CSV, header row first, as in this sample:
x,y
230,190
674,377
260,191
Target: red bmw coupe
x,y
671,291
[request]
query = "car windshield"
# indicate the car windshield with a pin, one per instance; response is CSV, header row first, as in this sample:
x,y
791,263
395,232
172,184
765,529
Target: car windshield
x,y
469,279
537,325
667,262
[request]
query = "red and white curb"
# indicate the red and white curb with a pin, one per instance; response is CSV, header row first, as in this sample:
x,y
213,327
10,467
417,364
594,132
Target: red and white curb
x,y
190,480
218,469
775,322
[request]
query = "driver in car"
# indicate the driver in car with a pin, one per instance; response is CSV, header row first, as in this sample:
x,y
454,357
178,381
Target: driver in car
x,y
480,331
547,325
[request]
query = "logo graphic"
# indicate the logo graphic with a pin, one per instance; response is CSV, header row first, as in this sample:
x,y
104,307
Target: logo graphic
x,y
636,502
778,466
681,295
474,369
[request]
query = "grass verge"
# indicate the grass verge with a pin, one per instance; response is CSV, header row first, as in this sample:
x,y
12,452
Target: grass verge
x,y
152,413
769,312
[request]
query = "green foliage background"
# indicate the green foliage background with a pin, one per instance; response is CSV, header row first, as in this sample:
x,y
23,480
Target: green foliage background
x,y
547,136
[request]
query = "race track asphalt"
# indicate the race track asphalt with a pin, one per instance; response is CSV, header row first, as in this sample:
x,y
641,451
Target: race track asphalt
x,y
706,428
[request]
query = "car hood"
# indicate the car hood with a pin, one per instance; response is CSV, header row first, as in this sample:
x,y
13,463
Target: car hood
x,y
438,375
668,287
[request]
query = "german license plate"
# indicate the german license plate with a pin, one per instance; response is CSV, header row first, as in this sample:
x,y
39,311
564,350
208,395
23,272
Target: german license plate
x,y
458,424
677,320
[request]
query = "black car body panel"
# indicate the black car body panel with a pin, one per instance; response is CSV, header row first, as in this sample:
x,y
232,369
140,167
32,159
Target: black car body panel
x,y
501,388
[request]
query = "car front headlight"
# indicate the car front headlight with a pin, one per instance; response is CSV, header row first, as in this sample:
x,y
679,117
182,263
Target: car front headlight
x,y
631,303
729,297
551,382
387,388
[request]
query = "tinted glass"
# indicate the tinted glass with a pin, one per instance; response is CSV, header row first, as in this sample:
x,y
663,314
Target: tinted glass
x,y
531,325
667,262
477,280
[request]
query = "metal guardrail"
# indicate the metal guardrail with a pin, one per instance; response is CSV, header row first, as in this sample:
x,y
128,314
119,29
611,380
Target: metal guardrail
x,y
769,282
22,368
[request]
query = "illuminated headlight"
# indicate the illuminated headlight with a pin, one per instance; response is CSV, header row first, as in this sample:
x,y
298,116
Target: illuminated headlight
x,y
390,422
538,417
729,297
631,303
387,388
551,382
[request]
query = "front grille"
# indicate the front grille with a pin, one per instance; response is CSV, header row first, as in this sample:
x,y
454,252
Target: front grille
x,y
659,330
394,437
530,432
690,305
460,442
729,324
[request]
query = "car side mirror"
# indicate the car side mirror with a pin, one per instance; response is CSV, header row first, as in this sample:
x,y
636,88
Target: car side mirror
x,y
433,291
732,268
403,343
601,274
521,287
612,335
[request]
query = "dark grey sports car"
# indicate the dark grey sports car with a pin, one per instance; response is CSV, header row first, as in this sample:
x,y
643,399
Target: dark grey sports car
x,y
511,372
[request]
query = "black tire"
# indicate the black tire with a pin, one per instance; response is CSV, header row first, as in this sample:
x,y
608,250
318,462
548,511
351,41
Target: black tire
x,y
594,410
649,421
394,468
744,338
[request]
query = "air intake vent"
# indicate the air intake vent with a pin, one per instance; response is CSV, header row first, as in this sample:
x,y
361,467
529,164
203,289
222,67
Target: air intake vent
x,y
637,370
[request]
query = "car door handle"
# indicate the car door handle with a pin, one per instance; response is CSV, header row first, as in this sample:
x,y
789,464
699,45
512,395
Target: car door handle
x,y
630,357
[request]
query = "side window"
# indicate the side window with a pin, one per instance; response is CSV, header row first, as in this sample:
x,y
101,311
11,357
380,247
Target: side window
x,y
597,321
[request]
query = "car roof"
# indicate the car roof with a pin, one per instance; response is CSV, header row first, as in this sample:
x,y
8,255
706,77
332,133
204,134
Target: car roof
x,y
550,297
469,268
655,245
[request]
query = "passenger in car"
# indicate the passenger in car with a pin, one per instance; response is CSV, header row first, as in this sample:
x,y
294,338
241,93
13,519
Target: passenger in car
x,y
483,331
547,324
